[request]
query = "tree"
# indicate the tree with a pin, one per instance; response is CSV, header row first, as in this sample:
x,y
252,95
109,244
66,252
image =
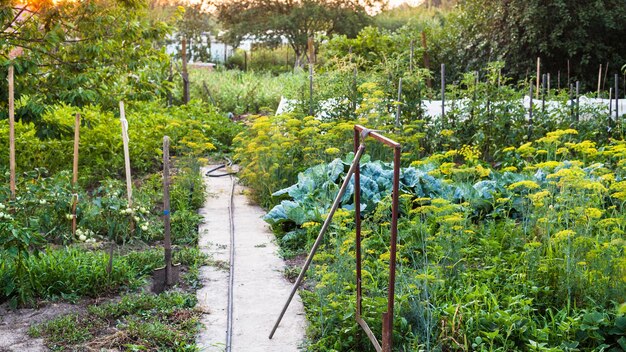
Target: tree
x,y
82,52
193,22
295,20
587,33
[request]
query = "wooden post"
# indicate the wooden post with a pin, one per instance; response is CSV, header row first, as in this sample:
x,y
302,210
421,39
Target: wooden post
x,y
548,83
426,59
75,172
577,101
568,75
571,103
169,91
530,112
311,49
538,76
543,93
129,184
558,80
11,131
185,73
610,106
443,94
606,74
599,81
166,211
616,98
399,109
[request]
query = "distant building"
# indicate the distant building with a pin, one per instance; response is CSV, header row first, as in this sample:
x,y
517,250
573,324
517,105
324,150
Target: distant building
x,y
220,51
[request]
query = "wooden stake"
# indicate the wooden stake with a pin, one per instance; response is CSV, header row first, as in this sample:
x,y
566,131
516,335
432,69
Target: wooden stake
x,y
129,184
75,171
543,93
577,101
399,109
616,97
558,80
186,74
166,211
606,74
538,76
568,75
311,51
599,81
11,131
443,94
548,83
426,59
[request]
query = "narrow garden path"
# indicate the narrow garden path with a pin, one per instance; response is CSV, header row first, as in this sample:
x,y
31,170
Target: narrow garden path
x,y
259,289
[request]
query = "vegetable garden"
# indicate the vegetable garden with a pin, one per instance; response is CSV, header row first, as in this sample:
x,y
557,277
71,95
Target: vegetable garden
x,y
511,229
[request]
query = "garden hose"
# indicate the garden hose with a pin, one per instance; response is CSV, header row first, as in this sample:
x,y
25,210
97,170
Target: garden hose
x,y
210,172
231,275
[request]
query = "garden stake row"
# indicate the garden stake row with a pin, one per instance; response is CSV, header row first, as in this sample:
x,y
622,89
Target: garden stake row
x,y
360,134
168,275
320,236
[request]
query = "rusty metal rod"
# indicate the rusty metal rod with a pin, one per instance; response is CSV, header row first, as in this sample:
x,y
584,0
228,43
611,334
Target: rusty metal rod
x,y
377,136
320,236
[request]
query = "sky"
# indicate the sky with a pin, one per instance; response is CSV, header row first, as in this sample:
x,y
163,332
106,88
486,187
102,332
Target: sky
x,y
394,3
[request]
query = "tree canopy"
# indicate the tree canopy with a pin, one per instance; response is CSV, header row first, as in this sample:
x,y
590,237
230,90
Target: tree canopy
x,y
295,20
82,52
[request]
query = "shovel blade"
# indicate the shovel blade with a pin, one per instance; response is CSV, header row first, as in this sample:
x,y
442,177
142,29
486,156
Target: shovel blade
x,y
159,278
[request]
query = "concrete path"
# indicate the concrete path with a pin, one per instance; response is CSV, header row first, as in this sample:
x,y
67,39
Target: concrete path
x,y
260,289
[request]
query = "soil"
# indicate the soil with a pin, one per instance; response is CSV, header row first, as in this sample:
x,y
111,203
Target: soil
x,y
14,325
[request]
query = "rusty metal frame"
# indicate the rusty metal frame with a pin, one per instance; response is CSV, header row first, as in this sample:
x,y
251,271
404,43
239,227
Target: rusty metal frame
x,y
360,134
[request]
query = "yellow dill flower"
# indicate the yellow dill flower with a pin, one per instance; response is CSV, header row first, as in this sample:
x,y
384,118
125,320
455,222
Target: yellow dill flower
x,y
470,152
527,184
451,153
452,219
585,147
309,224
526,149
332,151
563,235
593,213
508,149
446,168
482,171
548,165
509,169
538,197
439,202
446,133
562,151
609,222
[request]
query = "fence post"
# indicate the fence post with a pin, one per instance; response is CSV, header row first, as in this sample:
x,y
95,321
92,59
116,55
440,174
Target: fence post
x,y
443,95
186,74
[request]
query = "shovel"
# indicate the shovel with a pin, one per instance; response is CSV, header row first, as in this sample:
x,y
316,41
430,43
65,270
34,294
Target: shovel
x,y
169,275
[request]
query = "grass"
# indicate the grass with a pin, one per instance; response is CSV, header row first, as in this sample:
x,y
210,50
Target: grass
x,y
74,272
138,322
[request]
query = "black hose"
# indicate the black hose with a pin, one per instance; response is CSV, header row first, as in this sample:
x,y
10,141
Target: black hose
x,y
210,172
